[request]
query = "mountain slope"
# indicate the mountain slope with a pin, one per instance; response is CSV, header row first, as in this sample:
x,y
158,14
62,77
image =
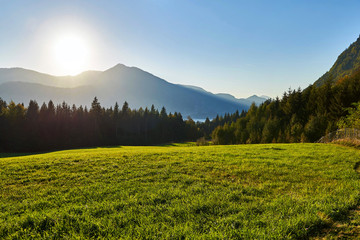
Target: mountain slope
x,y
246,101
30,76
23,92
117,84
346,64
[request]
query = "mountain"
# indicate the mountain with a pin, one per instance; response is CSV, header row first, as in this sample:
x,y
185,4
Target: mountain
x,y
245,101
117,84
30,76
23,92
346,64
257,100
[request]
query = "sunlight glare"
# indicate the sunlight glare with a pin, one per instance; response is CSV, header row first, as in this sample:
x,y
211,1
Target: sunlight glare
x,y
71,54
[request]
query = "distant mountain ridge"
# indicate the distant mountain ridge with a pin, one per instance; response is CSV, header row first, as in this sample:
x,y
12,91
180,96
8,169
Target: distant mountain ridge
x,y
247,101
117,84
346,64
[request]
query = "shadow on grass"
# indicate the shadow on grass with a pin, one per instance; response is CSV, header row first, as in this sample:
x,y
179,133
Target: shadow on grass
x,y
19,154
178,144
117,146
273,148
341,224
166,145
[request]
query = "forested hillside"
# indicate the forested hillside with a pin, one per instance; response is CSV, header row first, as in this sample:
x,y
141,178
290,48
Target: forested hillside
x,y
299,116
346,64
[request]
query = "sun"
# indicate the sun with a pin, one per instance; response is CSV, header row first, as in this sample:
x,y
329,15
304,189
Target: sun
x,y
71,54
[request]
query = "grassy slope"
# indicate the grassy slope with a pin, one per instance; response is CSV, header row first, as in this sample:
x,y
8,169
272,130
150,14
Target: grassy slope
x,y
247,191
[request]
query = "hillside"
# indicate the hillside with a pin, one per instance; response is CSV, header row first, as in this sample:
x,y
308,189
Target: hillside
x,y
346,64
246,101
267,191
117,84
23,92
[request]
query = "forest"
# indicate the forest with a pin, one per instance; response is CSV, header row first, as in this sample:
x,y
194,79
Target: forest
x,y
51,127
299,116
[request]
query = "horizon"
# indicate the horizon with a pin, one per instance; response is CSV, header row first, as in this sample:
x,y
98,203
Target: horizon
x,y
237,48
90,70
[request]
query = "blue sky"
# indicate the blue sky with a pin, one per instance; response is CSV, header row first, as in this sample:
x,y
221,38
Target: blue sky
x,y
238,47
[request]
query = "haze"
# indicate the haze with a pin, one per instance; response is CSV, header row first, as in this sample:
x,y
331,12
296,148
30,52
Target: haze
x,y
237,47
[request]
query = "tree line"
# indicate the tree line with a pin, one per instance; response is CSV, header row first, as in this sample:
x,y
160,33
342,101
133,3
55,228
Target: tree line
x,y
51,127
299,116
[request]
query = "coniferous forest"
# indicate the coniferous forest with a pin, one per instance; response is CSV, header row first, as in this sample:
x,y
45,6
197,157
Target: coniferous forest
x,y
299,116
49,127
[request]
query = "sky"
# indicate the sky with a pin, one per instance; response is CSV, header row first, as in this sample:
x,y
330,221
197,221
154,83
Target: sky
x,y
231,46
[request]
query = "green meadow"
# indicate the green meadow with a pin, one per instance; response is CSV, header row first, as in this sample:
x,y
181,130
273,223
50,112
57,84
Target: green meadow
x,y
267,191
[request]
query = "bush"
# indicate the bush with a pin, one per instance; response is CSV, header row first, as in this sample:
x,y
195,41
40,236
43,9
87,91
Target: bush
x,y
202,142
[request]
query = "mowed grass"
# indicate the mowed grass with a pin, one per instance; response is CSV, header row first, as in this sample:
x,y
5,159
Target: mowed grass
x,y
269,191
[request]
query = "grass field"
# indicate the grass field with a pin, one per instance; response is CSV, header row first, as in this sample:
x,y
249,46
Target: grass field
x,y
269,191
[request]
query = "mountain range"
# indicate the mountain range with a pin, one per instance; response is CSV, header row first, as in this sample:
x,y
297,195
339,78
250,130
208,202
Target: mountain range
x,y
118,84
